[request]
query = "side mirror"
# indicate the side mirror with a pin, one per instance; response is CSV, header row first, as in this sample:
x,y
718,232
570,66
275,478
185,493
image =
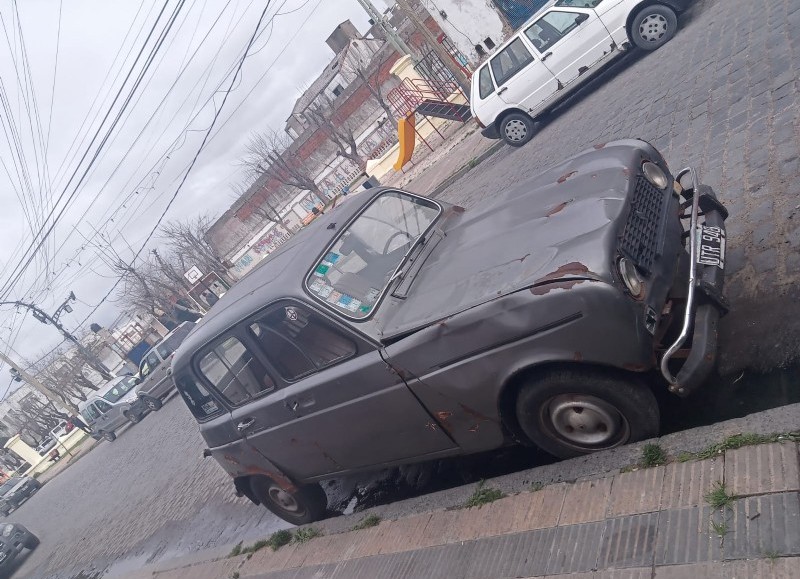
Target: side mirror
x,y
581,18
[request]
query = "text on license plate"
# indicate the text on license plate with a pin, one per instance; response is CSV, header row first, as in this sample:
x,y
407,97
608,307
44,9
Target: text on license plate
x,y
711,246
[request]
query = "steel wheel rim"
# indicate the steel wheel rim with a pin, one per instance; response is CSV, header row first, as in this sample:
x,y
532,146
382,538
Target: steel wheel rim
x,y
516,130
585,421
284,500
653,27
151,404
107,436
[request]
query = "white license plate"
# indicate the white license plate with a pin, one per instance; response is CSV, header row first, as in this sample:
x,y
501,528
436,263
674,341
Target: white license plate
x,y
711,246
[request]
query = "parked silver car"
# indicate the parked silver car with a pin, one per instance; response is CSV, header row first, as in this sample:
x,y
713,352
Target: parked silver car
x,y
113,406
155,372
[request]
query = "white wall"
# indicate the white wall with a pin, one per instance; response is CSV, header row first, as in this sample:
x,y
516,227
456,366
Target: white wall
x,y
468,22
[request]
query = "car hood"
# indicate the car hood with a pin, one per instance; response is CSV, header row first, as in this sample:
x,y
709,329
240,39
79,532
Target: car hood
x,y
560,225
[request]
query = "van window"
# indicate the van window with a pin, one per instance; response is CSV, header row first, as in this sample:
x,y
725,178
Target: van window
x,y
510,61
149,364
168,346
235,373
102,406
485,86
298,342
121,388
90,413
551,28
197,398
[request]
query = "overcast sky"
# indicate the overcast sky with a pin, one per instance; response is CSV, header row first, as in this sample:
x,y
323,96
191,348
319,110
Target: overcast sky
x,y
55,110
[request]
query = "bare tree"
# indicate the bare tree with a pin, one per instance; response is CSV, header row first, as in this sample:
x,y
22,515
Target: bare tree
x,y
263,208
340,131
268,157
373,75
146,287
187,241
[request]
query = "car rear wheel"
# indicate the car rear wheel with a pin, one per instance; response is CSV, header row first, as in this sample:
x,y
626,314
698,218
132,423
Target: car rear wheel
x,y
574,412
132,417
109,436
516,129
154,404
32,542
305,504
653,26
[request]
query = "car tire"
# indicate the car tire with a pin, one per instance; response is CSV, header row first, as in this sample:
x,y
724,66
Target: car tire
x,y
306,504
5,512
516,129
109,436
132,417
653,26
153,404
573,412
32,542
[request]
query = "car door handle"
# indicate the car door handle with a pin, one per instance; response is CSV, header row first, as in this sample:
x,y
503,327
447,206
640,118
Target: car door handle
x,y
292,405
245,424
502,90
546,56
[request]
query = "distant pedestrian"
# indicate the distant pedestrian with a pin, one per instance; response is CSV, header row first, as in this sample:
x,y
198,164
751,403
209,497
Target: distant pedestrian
x,y
78,423
210,297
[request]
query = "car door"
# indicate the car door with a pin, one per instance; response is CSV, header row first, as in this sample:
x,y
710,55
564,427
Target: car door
x,y
109,416
328,402
522,80
570,41
156,370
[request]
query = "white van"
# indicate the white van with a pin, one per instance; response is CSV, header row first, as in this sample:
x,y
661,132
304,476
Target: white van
x,y
557,50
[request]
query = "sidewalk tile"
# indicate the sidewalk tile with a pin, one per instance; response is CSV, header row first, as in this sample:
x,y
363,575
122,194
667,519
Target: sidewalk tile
x,y
639,573
685,536
783,568
506,515
210,570
267,560
629,541
371,541
706,570
763,524
764,468
687,483
586,501
318,551
497,556
575,548
301,552
636,492
545,506
338,548
441,528
405,534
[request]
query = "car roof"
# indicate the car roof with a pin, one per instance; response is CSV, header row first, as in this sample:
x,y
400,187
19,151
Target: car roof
x,y
280,275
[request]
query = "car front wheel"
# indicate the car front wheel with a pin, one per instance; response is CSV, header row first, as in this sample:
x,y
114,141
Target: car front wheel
x,y
305,504
109,436
132,417
653,26
572,412
154,404
516,129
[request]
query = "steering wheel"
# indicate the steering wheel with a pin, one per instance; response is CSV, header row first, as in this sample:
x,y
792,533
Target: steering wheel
x,y
391,238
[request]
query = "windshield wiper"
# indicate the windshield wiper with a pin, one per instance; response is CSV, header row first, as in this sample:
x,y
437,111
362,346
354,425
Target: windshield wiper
x,y
398,273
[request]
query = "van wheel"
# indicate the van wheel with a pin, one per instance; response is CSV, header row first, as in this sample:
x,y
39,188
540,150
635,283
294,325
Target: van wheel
x,y
516,129
132,417
306,504
109,436
574,412
153,404
653,26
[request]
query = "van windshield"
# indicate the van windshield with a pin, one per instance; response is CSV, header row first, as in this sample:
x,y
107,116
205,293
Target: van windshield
x,y
120,389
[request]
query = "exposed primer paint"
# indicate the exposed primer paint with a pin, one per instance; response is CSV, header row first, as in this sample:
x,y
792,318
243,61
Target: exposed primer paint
x,y
564,178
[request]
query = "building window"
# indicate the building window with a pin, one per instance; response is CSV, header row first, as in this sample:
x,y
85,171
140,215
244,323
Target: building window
x,y
337,90
489,43
479,49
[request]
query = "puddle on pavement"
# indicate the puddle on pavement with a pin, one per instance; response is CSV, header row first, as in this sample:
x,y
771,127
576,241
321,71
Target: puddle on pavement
x,y
722,398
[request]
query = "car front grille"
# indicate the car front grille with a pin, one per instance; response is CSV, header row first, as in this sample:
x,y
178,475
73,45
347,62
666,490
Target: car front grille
x,y
641,238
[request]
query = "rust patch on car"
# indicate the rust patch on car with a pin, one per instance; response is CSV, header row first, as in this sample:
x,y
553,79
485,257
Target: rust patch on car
x,y
564,178
231,459
479,418
540,290
572,268
599,146
557,208
282,481
578,357
458,209
443,415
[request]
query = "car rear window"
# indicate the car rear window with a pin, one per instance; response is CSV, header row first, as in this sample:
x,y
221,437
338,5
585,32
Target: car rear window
x,y
357,268
234,372
485,86
199,400
510,61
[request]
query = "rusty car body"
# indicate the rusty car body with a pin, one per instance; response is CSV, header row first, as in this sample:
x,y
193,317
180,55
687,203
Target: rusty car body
x,y
533,317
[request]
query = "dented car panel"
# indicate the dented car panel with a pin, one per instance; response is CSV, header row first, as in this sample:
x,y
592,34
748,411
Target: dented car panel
x,y
287,386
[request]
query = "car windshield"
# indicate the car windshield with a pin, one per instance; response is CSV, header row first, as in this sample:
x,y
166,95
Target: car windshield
x,y
120,389
357,268
168,346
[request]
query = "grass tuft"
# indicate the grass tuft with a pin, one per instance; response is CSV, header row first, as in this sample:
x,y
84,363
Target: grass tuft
x,y
718,497
537,486
305,535
236,551
720,529
279,538
367,522
739,441
653,455
772,555
483,495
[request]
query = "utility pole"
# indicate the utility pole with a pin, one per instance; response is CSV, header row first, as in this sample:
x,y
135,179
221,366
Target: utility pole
x,y
34,383
45,318
440,50
391,34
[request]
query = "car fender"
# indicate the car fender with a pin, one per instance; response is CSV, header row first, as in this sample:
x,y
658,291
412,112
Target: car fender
x,y
242,461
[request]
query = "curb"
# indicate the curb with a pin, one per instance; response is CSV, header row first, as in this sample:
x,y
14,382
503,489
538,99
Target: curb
x,y
466,169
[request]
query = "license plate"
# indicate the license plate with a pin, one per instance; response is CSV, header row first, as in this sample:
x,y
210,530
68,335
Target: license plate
x,y
711,246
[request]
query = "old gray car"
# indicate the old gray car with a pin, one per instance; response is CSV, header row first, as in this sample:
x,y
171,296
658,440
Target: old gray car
x,y
399,328
155,373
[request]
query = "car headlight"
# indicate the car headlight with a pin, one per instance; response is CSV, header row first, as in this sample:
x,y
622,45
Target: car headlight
x,y
7,529
630,276
655,175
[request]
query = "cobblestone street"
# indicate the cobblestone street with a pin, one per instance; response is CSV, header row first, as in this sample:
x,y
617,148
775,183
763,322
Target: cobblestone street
x,y
723,96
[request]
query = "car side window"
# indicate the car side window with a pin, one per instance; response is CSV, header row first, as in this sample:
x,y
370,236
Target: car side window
x,y
153,360
197,397
510,61
298,341
90,413
485,86
102,406
551,28
234,372
579,3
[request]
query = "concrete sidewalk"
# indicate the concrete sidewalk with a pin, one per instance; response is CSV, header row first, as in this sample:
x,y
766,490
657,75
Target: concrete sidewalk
x,y
736,514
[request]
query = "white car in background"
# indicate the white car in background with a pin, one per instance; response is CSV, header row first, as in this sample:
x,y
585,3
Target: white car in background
x,y
556,51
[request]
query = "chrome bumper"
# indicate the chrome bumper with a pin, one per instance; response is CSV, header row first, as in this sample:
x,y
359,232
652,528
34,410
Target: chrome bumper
x,y
705,303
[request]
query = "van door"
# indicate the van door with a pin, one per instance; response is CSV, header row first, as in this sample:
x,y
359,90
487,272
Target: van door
x,y
570,42
335,405
522,80
106,420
